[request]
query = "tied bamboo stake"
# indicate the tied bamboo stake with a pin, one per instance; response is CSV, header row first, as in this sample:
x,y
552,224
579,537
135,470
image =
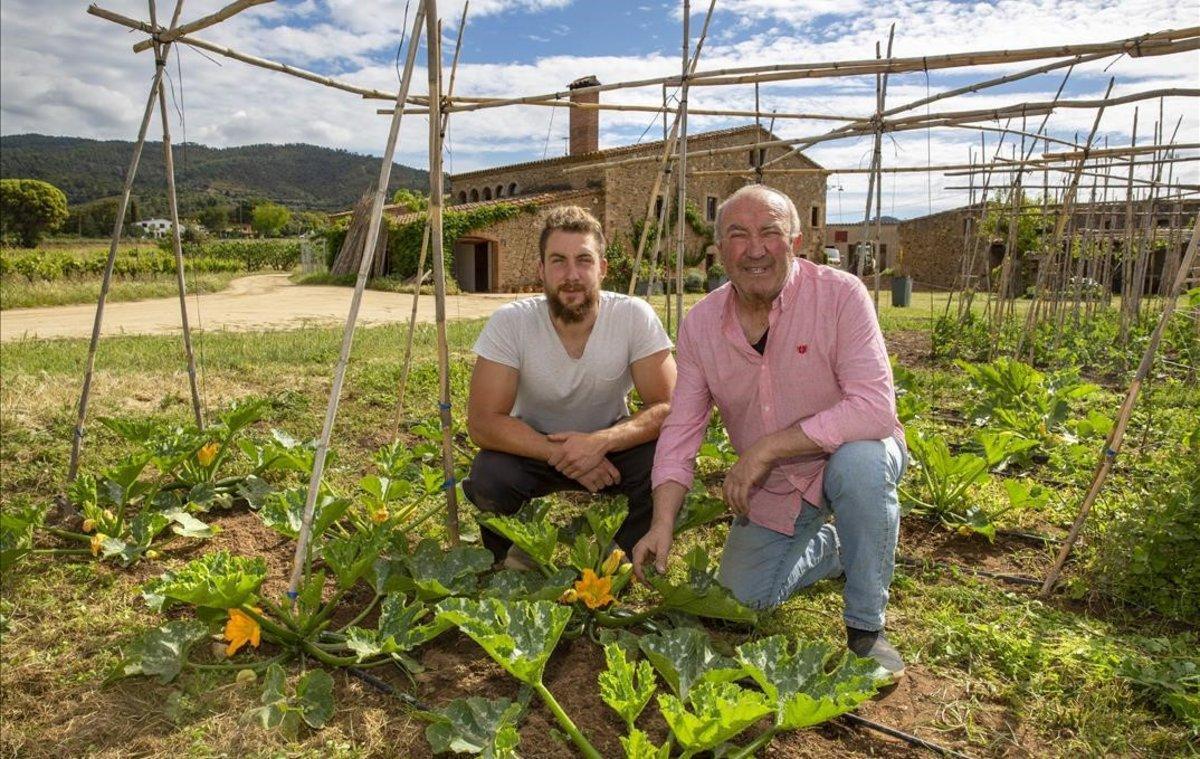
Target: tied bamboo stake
x,y
194,26
176,242
880,95
106,277
1113,445
664,163
434,47
681,181
412,319
364,267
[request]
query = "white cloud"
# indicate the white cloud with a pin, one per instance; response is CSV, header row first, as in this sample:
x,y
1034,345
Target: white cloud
x,y
89,83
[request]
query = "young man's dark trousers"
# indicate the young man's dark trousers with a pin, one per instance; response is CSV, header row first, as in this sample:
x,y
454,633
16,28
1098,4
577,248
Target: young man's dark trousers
x,y
501,483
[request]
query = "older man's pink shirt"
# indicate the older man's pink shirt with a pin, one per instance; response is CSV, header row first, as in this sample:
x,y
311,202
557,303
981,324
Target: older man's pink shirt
x,y
825,369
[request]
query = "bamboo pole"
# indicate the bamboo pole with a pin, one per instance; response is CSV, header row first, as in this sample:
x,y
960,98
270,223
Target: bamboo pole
x,y
681,181
212,19
1127,150
1160,43
1112,446
880,97
1127,249
788,72
412,319
229,52
106,277
299,562
176,242
664,169
434,48
631,108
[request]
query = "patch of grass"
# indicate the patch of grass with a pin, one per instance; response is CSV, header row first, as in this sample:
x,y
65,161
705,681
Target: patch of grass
x,y
15,292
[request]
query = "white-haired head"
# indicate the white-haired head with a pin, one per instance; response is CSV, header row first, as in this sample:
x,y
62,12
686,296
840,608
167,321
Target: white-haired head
x,y
767,194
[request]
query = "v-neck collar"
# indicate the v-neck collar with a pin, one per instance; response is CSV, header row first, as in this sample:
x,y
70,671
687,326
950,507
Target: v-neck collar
x,y
586,343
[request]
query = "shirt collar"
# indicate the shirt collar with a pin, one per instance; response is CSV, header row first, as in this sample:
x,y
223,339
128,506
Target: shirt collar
x,y
783,301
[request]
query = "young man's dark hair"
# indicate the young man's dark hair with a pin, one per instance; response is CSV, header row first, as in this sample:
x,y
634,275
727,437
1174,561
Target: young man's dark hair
x,y
571,219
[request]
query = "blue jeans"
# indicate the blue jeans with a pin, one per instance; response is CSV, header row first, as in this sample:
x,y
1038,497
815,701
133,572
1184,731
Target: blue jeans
x,y
763,568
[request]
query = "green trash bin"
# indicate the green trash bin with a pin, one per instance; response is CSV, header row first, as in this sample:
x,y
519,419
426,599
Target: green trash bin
x,y
901,292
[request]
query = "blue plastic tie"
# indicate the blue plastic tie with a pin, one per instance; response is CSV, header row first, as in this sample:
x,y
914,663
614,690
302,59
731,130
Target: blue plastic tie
x,y
449,483
1109,452
293,594
444,406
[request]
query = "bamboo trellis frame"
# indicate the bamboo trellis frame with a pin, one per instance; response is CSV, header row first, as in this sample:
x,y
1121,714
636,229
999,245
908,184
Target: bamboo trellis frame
x,y
437,106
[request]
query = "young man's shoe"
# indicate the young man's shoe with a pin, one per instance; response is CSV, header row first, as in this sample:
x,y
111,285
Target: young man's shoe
x,y
874,645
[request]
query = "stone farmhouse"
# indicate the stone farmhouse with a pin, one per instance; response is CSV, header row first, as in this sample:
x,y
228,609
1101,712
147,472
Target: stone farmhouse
x,y
933,248
503,256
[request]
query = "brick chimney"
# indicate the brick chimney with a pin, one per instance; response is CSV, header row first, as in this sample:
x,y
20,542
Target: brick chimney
x,y
585,123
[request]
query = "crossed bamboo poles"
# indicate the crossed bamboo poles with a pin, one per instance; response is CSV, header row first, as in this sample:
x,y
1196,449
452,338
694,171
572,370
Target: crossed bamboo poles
x,y
438,105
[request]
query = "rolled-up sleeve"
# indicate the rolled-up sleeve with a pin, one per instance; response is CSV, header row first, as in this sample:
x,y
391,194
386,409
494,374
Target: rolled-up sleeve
x,y
867,410
683,431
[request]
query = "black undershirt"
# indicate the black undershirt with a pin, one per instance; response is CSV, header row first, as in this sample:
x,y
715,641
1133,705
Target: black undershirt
x,y
761,345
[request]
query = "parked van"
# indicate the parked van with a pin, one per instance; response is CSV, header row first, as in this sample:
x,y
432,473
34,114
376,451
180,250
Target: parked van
x,y
833,256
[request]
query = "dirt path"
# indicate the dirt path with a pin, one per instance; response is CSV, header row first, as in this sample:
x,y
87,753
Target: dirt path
x,y
259,302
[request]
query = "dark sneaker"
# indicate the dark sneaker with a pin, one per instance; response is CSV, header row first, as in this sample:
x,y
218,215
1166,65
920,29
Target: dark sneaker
x,y
874,645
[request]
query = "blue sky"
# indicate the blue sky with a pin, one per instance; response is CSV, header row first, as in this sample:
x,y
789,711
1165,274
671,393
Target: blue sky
x,y
65,72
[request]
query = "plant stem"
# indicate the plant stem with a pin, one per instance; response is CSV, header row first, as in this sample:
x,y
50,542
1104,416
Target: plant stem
x,y
284,635
60,551
324,613
285,617
753,746
586,748
68,534
362,614
608,620
230,667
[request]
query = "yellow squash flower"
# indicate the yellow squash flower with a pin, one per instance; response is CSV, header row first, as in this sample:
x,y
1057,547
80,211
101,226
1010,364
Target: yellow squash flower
x,y
89,525
208,453
613,562
593,590
97,542
379,515
569,596
241,629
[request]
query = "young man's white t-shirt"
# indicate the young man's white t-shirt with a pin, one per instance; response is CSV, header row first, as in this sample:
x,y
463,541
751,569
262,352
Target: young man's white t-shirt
x,y
557,393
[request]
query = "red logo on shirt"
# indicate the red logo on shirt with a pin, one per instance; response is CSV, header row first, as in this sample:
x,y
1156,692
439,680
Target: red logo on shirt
x,y
802,349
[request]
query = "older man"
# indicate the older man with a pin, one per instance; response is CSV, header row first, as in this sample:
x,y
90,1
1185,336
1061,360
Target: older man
x,y
792,356
548,400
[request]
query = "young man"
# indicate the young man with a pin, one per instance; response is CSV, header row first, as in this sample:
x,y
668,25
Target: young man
x,y
792,355
548,402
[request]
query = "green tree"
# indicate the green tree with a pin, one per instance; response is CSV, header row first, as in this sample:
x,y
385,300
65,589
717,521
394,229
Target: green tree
x,y
411,199
269,218
29,208
215,218
1032,225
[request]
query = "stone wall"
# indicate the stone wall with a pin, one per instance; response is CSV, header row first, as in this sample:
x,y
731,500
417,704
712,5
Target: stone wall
x,y
628,189
619,196
516,241
933,249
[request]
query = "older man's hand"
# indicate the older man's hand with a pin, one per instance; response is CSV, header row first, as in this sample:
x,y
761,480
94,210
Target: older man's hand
x,y
750,470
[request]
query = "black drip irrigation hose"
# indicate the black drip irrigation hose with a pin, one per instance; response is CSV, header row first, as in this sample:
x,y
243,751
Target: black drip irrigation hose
x,y
1014,579
854,719
387,689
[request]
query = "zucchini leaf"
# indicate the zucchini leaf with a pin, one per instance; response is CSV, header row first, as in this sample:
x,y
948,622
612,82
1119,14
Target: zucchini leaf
x,y
809,682
625,686
487,727
217,580
719,712
518,635
684,656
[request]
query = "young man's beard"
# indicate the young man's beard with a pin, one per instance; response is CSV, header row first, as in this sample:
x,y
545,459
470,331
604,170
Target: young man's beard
x,y
571,314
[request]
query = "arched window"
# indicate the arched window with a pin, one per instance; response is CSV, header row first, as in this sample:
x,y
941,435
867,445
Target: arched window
x,y
512,189
487,193
474,195
499,190
462,196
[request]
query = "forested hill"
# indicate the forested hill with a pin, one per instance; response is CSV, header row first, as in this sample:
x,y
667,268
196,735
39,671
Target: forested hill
x,y
299,176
